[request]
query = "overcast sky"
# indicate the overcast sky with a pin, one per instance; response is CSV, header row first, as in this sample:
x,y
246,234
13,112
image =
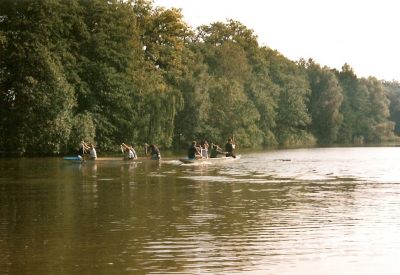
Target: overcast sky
x,y
364,34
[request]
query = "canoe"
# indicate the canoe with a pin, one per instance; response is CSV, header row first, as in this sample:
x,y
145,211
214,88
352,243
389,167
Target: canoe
x,y
208,160
104,159
73,158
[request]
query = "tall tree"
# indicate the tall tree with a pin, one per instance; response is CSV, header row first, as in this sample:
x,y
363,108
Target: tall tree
x,y
325,101
106,57
232,114
377,111
163,35
392,89
192,121
264,93
36,99
226,53
292,118
365,109
349,82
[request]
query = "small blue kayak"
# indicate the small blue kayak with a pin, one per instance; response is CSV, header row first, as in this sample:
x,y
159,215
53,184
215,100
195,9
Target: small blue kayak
x,y
74,158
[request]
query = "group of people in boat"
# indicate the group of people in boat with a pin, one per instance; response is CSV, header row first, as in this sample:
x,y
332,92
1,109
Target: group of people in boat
x,y
205,150
195,150
150,151
129,151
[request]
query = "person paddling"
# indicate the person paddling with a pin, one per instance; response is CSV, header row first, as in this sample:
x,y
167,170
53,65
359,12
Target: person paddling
x,y
229,148
92,152
154,152
129,152
215,150
193,151
204,149
84,149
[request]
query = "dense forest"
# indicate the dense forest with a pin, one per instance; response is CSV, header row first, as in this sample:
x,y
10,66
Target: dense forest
x,y
126,71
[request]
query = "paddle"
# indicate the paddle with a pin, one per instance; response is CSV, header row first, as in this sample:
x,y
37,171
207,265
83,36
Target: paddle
x,y
233,146
83,149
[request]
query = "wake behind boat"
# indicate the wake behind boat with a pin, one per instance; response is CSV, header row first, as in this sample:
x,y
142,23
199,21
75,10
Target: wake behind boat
x,y
208,160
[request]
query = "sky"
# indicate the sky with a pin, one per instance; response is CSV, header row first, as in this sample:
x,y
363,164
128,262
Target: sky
x,y
363,33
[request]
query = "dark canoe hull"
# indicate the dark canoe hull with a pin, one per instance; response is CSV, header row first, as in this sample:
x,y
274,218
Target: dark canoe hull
x,y
208,160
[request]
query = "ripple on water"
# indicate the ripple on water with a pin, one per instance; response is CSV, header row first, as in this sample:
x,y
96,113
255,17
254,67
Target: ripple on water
x,y
326,211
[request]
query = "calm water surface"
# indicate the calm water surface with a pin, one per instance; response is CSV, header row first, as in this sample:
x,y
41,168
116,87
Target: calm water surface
x,y
306,211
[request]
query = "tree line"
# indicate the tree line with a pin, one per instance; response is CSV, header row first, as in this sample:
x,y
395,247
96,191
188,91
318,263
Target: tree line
x,y
126,71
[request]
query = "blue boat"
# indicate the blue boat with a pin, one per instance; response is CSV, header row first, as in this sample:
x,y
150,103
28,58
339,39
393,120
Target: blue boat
x,y
73,158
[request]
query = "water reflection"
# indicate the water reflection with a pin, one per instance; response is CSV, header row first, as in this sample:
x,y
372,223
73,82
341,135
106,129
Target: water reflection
x,y
282,212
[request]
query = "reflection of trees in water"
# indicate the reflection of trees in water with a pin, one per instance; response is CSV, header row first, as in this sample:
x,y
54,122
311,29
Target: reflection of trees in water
x,y
210,220
164,223
38,215
143,216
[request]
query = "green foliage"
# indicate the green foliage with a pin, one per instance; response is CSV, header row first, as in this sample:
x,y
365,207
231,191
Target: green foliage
x,y
365,109
192,121
83,128
392,90
292,118
377,111
162,36
264,93
325,101
125,71
225,49
36,98
232,114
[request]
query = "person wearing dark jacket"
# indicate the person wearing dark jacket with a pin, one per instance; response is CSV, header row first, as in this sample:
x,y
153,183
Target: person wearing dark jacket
x,y
193,151
215,150
154,152
229,148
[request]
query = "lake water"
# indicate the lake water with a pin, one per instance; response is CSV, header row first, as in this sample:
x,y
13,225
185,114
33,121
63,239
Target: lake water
x,y
303,211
